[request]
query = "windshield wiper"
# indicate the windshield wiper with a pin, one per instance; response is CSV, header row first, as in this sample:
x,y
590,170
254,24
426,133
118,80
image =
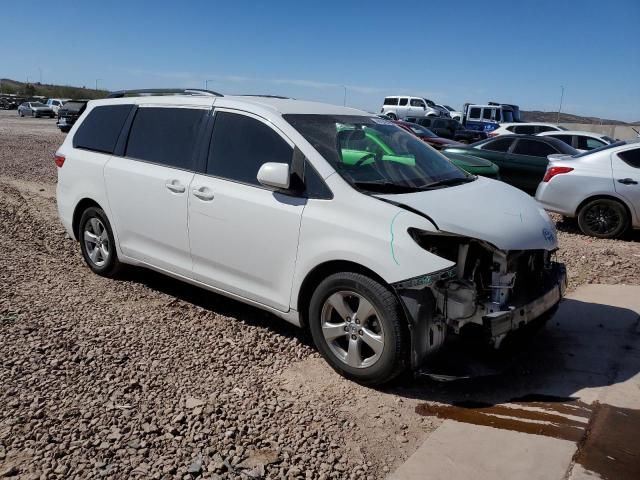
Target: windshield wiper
x,y
386,187
449,182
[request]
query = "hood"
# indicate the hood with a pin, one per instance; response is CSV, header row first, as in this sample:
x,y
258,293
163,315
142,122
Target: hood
x,y
487,210
467,160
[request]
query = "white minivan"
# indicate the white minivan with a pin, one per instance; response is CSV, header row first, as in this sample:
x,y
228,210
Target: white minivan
x,y
401,107
332,218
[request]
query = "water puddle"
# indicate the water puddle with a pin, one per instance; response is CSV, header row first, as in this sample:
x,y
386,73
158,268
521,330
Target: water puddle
x,y
607,436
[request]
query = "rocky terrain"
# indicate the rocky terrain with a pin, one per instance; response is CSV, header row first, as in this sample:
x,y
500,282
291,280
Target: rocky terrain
x,y
147,377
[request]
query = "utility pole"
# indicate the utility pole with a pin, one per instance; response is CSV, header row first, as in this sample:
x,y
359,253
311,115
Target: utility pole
x,y
97,79
40,72
206,84
344,100
561,98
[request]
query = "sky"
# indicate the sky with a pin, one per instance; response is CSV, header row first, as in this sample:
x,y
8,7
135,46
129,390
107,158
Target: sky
x,y
450,51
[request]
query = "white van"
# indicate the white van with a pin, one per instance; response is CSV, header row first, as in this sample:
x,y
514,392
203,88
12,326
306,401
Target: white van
x,y
329,217
401,107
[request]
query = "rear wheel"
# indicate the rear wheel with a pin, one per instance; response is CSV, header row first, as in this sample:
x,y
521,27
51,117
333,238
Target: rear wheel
x,y
358,326
603,218
97,243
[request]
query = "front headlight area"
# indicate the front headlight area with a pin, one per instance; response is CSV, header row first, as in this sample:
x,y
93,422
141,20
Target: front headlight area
x,y
484,282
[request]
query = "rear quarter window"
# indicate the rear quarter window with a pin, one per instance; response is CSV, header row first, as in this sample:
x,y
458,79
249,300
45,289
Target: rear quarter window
x,y
99,131
631,157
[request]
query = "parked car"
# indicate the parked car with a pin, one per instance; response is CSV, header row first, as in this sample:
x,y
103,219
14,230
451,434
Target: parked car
x,y
56,103
443,111
600,187
453,113
401,107
487,117
522,159
529,128
449,128
69,113
281,204
472,165
35,109
426,135
581,141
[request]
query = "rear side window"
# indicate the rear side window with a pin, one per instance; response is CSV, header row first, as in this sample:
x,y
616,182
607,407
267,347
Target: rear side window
x,y
391,101
487,113
240,145
631,157
533,148
568,139
403,101
498,145
524,129
589,143
100,129
474,113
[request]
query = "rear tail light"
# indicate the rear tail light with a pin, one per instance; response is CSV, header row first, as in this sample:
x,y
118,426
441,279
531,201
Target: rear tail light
x,y
553,171
493,134
59,159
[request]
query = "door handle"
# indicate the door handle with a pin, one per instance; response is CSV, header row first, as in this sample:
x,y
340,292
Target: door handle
x,y
175,186
203,193
627,181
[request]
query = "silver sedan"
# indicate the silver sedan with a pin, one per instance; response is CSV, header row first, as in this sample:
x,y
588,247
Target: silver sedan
x,y
600,187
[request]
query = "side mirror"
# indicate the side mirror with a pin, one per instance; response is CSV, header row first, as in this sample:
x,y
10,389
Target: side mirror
x,y
272,174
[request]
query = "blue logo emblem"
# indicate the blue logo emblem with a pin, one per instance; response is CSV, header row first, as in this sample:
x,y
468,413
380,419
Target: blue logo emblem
x,y
548,235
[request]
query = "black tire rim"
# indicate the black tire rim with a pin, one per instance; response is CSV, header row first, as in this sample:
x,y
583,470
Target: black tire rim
x,y
602,219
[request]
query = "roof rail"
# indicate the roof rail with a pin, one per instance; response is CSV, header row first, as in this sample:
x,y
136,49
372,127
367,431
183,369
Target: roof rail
x,y
265,96
163,91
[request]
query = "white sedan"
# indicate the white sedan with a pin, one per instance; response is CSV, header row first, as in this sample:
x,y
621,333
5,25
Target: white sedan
x,y
581,141
601,188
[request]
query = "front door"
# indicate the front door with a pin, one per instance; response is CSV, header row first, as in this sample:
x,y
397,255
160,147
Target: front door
x,y
528,162
244,236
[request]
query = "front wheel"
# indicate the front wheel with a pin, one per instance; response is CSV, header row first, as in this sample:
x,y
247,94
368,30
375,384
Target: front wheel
x,y
603,218
97,243
358,326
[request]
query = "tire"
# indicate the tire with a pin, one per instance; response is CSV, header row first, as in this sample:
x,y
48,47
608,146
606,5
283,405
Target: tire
x,y
34,114
103,261
20,114
351,352
603,218
392,116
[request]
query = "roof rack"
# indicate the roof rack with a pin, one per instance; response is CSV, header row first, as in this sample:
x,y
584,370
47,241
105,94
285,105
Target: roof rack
x,y
163,91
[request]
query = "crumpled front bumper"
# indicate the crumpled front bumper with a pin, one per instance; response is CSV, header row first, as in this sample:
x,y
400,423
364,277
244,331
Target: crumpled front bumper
x,y
429,328
498,324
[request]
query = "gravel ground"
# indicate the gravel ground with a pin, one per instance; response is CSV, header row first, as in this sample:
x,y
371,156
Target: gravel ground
x,y
149,377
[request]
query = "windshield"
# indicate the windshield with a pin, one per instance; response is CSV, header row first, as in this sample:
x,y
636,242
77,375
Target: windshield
x,y
448,108
375,155
600,149
73,106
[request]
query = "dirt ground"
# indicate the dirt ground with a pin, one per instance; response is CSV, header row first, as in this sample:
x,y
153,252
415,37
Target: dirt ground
x,y
147,377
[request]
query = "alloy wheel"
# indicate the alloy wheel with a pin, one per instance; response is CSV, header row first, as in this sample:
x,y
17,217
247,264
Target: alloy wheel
x,y
602,219
96,241
352,329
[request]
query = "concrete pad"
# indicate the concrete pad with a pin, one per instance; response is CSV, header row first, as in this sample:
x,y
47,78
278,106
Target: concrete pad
x,y
589,351
458,451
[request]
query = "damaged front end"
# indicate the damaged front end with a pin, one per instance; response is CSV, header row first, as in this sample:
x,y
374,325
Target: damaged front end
x,y
490,290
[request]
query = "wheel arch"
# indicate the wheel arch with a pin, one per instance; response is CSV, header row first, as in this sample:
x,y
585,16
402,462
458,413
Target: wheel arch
x,y
77,213
607,197
322,271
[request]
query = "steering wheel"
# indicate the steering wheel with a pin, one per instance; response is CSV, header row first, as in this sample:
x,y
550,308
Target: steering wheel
x,y
374,156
